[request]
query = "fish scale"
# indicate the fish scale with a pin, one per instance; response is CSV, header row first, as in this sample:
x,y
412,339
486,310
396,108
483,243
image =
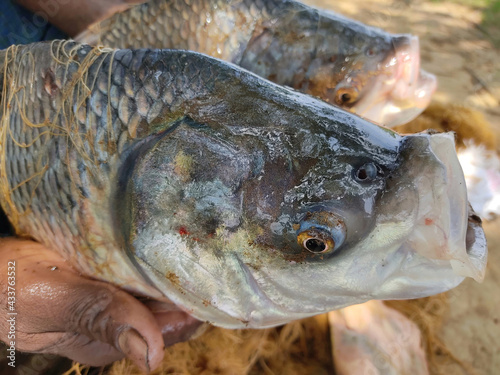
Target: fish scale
x,y
164,24
80,168
363,69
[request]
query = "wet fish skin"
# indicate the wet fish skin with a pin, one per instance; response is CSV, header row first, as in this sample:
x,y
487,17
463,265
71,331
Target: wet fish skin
x,y
185,178
317,52
261,36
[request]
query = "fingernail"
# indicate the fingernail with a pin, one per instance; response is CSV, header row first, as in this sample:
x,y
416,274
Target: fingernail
x,y
133,345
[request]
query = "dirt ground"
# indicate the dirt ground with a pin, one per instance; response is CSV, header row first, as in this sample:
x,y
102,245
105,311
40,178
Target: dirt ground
x,y
456,48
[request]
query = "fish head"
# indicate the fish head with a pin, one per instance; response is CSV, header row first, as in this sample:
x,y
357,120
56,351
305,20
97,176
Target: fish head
x,y
378,77
247,217
360,68
245,203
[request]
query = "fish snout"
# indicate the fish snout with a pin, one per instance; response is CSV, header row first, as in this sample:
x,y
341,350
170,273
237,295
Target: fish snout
x,y
445,228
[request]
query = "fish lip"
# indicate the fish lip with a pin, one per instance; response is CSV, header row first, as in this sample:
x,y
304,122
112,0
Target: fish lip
x,y
406,61
468,250
414,87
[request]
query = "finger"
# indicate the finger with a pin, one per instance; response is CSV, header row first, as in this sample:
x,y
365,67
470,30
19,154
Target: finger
x,y
74,16
176,325
100,312
80,348
53,300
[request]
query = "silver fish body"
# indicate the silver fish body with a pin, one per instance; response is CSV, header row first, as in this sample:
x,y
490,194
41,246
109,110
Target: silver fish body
x,y
184,178
363,69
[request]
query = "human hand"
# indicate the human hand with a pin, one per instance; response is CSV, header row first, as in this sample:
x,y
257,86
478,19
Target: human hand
x,y
61,312
74,16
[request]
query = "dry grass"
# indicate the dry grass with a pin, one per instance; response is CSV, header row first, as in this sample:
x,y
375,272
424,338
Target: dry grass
x,y
302,347
468,124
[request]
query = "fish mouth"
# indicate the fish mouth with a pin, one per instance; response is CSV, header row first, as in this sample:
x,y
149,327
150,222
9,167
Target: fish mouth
x,y
401,90
475,243
448,231
442,241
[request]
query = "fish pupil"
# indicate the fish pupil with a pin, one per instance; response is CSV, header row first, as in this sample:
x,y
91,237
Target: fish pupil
x,y
367,172
315,245
362,175
346,98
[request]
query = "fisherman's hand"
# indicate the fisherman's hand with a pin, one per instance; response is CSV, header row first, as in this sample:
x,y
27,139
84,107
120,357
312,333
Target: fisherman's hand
x,y
74,16
94,323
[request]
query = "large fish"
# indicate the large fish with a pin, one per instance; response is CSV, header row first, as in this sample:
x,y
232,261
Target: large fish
x,y
186,179
366,70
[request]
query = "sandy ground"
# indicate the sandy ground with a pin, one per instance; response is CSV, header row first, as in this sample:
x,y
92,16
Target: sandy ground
x,y
460,54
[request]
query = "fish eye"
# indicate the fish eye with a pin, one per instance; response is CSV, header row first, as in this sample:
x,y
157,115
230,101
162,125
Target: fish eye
x,y
367,172
370,52
346,95
315,245
316,241
346,98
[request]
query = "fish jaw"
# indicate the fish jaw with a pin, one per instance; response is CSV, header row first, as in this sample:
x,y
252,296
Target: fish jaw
x,y
401,90
448,230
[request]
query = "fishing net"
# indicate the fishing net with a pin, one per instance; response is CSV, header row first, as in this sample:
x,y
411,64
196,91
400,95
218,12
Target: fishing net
x,y
15,64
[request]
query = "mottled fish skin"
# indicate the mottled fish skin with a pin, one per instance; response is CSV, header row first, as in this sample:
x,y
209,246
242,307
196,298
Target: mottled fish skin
x,y
317,52
184,178
69,117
